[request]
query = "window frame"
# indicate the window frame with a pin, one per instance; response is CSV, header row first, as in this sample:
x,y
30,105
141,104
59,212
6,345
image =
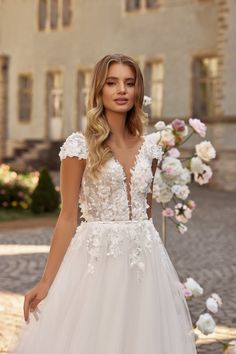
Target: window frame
x,y
151,62
48,72
60,24
79,93
142,8
28,92
196,111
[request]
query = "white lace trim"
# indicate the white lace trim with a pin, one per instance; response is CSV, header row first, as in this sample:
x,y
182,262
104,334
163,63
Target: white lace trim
x,y
74,145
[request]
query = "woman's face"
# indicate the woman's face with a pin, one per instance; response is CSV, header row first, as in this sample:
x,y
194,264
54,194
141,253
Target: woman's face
x,y
118,92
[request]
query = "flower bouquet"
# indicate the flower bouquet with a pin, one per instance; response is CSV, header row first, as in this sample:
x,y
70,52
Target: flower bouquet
x,y
176,172
171,190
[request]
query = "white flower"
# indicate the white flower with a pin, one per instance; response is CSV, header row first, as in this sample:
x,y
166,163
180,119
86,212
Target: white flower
x,y
171,167
212,305
184,177
167,138
182,228
160,125
147,101
196,289
173,152
204,177
161,191
180,191
217,298
206,324
185,132
205,151
196,165
198,126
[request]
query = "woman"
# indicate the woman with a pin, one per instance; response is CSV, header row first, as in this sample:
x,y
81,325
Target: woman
x,y
111,289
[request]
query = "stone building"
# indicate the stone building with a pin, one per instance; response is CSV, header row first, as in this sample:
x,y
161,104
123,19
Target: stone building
x,y
185,48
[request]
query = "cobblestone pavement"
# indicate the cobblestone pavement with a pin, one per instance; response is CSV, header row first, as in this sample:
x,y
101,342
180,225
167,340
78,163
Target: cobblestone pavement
x,y
205,252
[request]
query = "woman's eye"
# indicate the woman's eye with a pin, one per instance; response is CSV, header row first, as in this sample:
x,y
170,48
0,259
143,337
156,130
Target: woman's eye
x,y
110,83
130,84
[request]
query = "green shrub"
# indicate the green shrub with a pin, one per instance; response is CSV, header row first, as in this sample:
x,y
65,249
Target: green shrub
x,y
16,188
45,198
14,196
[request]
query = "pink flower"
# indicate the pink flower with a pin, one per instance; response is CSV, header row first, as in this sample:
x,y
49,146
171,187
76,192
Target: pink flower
x,y
204,177
187,292
168,212
178,125
174,152
191,204
198,126
168,170
182,213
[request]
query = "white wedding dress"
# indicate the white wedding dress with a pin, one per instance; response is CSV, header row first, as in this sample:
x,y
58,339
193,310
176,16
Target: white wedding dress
x,y
116,291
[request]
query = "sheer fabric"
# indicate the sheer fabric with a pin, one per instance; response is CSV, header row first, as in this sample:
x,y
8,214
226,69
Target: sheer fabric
x,y
116,291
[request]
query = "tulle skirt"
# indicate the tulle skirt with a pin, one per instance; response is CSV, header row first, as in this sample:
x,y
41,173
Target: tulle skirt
x,y
116,292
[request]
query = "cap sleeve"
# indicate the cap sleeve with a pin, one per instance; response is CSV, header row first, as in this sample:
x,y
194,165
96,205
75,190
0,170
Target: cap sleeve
x,y
154,148
74,145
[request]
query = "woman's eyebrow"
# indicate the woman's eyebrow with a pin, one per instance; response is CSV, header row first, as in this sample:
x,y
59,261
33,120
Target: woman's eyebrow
x,y
116,78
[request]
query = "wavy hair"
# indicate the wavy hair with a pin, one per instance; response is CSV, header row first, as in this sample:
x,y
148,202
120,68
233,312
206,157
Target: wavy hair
x,y
97,129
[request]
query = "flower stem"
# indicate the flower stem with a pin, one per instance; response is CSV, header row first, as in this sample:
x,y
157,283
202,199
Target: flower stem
x,y
187,138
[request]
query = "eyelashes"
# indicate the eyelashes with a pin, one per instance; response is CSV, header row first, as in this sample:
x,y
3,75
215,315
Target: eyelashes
x,y
130,84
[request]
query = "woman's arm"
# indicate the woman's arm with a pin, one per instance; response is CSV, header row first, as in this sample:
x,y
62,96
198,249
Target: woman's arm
x,y
149,195
71,172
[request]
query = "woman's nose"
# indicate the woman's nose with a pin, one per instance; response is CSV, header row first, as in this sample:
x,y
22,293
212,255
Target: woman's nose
x,y
121,87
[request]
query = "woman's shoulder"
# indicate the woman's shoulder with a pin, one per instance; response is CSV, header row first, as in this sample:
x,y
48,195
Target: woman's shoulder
x,y
74,145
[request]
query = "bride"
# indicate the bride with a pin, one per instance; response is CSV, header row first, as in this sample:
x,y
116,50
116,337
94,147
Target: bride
x,y
109,286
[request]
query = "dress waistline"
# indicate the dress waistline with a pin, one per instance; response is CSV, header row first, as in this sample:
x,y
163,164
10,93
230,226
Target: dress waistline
x,y
150,220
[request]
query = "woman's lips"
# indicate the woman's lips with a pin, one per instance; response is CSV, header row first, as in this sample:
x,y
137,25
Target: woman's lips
x,y
121,101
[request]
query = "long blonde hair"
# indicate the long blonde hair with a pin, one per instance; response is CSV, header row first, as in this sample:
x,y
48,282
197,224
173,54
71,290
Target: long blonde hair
x,y
97,129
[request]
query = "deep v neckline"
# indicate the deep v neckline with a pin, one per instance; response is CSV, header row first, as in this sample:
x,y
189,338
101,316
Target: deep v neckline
x,y
127,183
135,159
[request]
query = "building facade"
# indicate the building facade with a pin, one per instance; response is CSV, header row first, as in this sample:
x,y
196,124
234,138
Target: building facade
x,y
185,48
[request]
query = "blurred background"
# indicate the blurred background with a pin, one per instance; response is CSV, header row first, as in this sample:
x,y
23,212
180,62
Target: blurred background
x,y
185,48
48,48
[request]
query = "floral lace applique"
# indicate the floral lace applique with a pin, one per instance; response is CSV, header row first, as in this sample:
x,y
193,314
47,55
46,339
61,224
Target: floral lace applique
x,y
74,145
154,149
104,204
134,240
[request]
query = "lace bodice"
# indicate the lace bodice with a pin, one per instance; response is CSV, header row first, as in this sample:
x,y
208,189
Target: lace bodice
x,y
111,197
